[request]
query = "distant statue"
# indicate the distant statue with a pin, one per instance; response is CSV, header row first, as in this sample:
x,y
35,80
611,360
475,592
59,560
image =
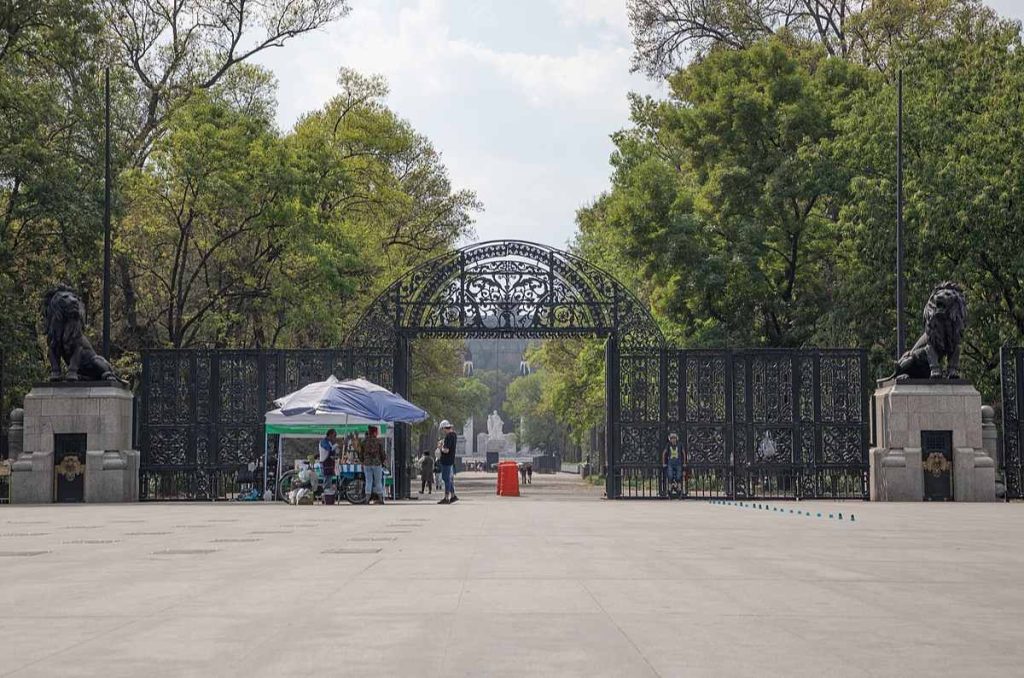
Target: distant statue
x,y
63,319
945,317
495,425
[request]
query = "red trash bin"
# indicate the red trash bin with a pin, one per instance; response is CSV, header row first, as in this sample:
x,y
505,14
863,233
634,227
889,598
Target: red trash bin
x,y
508,479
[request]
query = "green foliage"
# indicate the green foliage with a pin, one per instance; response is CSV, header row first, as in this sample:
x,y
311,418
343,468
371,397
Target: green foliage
x,y
228,232
438,387
572,384
537,425
756,205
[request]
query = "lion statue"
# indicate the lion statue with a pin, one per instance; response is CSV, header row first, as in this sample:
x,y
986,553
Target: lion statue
x,y
63,319
945,317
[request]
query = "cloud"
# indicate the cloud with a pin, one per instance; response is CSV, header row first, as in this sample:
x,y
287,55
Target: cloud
x,y
522,116
610,13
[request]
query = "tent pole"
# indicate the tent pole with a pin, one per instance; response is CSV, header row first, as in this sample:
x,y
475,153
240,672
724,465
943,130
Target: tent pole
x,y
266,457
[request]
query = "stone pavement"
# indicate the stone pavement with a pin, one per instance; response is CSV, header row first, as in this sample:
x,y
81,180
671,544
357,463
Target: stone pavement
x,y
555,583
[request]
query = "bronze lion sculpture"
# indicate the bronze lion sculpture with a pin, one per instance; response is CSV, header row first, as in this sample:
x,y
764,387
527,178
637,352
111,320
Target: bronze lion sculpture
x,y
945,317
63,319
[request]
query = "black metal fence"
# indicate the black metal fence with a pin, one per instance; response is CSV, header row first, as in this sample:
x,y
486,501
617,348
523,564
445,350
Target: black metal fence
x,y
4,424
1011,371
201,412
762,424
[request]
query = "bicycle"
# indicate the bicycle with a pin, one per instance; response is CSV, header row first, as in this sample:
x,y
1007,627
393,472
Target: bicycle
x,y
350,481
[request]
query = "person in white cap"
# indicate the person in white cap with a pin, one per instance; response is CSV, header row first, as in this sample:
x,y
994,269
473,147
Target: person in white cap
x,y
448,462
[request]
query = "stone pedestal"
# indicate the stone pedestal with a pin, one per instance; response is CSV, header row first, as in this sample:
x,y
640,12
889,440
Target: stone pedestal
x,y
902,411
102,411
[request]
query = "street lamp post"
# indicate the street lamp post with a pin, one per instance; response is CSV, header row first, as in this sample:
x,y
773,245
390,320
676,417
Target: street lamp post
x,y
106,215
901,327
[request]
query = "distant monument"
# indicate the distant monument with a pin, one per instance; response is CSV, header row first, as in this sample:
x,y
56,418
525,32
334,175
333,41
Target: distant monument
x,y
497,442
930,444
467,435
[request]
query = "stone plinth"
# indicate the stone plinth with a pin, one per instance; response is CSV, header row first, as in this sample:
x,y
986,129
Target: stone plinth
x,y
100,410
902,411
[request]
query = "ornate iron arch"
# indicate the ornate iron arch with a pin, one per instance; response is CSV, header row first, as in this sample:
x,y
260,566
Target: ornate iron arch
x,y
513,288
507,288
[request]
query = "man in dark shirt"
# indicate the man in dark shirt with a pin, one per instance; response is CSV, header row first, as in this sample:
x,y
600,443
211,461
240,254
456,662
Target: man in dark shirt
x,y
448,462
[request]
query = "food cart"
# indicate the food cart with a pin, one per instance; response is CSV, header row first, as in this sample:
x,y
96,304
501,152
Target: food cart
x,y
346,406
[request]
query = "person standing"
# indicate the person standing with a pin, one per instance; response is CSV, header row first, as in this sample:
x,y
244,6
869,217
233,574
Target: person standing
x,y
529,473
427,472
374,457
437,463
448,462
328,451
672,459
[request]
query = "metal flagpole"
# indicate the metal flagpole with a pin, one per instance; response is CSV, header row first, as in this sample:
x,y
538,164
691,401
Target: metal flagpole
x,y
901,327
106,216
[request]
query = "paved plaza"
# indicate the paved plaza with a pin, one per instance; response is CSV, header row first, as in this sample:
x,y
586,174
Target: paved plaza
x,y
556,583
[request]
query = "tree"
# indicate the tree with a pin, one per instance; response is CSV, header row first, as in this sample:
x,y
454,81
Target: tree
x,y
666,32
536,424
49,189
963,160
177,48
572,386
369,178
209,220
726,196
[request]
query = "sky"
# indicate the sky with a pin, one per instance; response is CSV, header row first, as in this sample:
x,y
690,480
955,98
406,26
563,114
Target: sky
x,y
519,96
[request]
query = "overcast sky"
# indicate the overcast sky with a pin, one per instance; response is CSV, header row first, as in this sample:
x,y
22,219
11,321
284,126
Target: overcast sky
x,y
520,97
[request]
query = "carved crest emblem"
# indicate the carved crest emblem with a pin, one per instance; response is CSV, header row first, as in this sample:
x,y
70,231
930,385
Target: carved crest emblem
x,y
936,464
70,467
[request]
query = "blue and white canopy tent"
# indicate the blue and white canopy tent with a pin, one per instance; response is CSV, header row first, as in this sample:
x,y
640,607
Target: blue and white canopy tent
x,y
346,406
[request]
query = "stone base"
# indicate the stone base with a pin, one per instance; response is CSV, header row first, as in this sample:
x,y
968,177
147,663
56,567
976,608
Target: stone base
x,y
111,476
902,411
974,475
100,410
32,478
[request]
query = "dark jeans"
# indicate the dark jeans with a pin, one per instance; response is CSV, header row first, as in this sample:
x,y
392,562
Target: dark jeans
x,y
447,474
675,470
427,481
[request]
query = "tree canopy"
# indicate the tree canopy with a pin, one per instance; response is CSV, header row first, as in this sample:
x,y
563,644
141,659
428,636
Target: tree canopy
x,y
229,232
755,204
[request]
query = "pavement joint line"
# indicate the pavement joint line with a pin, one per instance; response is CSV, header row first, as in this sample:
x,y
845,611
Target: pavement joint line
x,y
622,632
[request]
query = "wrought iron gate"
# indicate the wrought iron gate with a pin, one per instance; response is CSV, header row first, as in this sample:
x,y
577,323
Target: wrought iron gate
x,y
761,424
202,411
1011,371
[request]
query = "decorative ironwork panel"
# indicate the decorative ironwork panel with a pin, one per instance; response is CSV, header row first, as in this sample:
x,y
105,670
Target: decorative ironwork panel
x,y
841,389
674,404
706,390
639,388
776,423
706,445
771,388
202,411
1011,373
169,390
640,444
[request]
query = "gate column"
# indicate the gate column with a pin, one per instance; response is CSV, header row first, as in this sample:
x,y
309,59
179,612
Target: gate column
x,y
403,432
613,414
